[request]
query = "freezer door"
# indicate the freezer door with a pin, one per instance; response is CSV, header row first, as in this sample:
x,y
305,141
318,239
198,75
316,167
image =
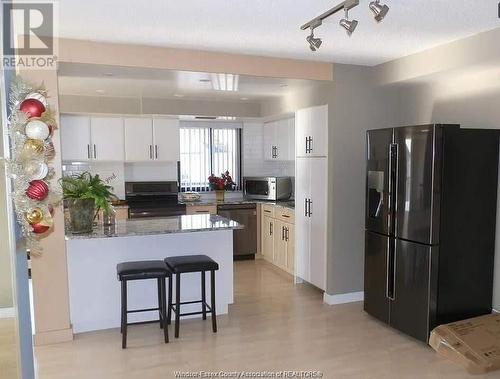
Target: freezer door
x,y
378,180
377,280
410,307
418,183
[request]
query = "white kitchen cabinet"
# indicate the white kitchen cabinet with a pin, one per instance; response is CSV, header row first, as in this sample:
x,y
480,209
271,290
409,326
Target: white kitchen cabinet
x,y
311,131
148,139
166,139
85,138
311,185
75,137
279,140
107,138
138,139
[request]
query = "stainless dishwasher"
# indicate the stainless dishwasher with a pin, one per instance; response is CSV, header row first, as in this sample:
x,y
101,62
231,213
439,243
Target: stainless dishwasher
x,y
244,240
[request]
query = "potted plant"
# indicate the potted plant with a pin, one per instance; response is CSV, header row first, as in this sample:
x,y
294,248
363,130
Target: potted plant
x,y
85,195
220,184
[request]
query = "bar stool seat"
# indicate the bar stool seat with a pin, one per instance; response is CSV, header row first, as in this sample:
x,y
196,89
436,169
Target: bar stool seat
x,y
144,270
191,264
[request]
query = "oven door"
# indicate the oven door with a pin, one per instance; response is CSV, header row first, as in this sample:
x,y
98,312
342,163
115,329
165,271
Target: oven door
x,y
258,188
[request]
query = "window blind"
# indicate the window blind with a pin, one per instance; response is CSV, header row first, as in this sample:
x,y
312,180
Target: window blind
x,y
209,150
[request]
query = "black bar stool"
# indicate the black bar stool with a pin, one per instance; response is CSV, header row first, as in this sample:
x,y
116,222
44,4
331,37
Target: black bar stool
x,y
186,264
143,270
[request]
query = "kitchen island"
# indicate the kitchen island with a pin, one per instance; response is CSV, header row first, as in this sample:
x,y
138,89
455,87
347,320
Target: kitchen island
x,y
92,258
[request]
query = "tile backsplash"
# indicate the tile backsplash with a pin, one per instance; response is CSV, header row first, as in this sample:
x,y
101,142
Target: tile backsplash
x,y
112,173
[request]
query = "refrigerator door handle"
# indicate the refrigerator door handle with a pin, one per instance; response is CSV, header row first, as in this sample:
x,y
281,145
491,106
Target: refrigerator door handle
x,y
396,190
389,171
388,257
393,298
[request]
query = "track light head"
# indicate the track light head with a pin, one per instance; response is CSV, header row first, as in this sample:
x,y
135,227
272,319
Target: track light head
x,y
349,26
379,10
314,43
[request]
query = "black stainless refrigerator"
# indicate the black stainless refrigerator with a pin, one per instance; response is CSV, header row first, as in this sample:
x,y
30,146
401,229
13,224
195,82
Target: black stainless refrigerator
x,y
431,201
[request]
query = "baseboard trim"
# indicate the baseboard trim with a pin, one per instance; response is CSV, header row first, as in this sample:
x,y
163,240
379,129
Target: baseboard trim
x,y
53,337
344,298
7,312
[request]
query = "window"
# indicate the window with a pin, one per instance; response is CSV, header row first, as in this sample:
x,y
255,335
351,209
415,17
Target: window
x,y
206,150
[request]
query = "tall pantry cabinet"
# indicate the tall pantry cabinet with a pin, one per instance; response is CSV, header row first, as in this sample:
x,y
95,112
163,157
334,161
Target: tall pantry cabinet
x,y
311,195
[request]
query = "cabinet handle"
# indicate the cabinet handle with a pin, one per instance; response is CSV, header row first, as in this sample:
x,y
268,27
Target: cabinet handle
x,y
150,151
282,233
276,152
95,152
305,207
88,151
285,216
270,228
286,233
310,145
267,211
310,206
202,211
156,151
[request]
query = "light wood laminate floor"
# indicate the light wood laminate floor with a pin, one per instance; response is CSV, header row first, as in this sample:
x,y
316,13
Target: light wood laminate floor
x,y
8,349
273,325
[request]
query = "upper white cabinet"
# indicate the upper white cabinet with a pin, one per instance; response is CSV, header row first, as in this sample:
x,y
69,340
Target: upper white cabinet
x,y
75,137
311,130
107,138
87,138
166,139
138,139
149,139
279,140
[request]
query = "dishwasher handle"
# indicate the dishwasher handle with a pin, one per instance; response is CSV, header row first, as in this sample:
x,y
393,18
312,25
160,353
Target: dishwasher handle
x,y
235,207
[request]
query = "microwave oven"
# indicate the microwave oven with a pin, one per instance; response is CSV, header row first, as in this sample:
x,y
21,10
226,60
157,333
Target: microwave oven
x,y
268,188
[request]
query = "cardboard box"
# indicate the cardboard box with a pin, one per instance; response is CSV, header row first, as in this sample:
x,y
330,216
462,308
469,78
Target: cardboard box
x,y
473,344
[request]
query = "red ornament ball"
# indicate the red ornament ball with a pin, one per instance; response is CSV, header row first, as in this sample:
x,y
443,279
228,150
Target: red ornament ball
x,y
32,108
37,190
40,229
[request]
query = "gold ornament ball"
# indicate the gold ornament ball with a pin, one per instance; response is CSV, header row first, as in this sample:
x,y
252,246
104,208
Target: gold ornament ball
x,y
33,146
34,216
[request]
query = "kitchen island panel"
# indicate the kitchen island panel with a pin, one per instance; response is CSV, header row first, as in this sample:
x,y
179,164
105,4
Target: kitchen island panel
x,y
95,290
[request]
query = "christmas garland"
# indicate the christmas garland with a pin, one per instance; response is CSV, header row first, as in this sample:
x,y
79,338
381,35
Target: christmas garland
x,y
31,126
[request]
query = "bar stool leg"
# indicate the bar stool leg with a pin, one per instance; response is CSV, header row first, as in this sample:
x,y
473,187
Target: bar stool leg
x,y
124,314
212,304
169,310
203,296
160,303
177,303
164,309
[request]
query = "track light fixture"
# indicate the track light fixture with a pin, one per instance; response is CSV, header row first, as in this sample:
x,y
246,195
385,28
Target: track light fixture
x,y
379,10
349,26
314,43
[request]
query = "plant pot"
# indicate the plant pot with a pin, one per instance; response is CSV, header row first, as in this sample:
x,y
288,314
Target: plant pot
x,y
219,195
81,213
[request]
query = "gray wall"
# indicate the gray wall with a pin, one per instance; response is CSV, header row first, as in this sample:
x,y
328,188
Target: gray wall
x,y
450,101
355,105
5,262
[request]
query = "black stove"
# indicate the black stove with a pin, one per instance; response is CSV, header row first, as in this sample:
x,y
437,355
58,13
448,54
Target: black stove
x,y
153,199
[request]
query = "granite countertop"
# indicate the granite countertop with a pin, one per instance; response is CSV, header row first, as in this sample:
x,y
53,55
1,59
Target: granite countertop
x,y
285,204
157,226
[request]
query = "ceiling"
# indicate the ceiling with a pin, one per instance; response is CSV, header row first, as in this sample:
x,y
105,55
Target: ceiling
x,y
110,81
271,27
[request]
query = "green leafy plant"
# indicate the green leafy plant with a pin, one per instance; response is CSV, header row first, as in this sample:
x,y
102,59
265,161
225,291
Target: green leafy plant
x,y
86,186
